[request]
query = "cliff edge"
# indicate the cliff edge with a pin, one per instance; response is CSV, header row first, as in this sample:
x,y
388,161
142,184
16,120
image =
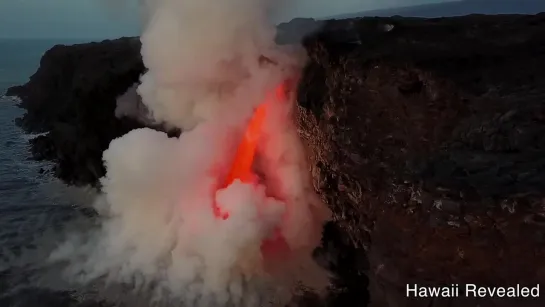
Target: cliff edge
x,y
72,98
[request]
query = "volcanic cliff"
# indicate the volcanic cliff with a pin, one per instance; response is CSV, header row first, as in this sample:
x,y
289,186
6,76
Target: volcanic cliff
x,y
426,138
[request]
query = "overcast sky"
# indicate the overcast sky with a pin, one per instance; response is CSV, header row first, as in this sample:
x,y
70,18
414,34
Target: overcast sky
x,y
66,19
323,8
103,19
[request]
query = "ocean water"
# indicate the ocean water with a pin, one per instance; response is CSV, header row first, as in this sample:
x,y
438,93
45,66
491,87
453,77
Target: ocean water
x,y
34,207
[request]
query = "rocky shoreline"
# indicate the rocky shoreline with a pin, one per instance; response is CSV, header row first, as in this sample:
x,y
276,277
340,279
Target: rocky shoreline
x,y
426,138
72,97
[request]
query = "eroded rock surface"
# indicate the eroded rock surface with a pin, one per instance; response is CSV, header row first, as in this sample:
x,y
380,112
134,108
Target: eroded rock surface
x,y
428,143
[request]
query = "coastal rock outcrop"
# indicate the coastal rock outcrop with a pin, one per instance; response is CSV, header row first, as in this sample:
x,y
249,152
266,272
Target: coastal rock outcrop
x,y
72,97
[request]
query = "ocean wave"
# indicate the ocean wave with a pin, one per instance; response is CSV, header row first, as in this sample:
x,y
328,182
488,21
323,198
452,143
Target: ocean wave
x,y
30,136
15,99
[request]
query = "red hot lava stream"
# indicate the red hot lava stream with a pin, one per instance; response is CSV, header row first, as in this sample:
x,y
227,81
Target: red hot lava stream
x,y
241,168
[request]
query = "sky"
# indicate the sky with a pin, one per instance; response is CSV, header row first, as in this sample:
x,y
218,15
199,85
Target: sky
x,y
67,19
324,8
100,19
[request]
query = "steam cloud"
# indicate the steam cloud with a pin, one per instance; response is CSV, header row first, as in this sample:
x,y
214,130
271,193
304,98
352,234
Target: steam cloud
x,y
211,62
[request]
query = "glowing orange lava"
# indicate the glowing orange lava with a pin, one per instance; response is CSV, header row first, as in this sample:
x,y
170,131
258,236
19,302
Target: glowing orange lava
x,y
242,164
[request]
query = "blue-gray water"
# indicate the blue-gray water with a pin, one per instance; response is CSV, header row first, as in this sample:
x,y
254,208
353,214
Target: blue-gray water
x,y
32,205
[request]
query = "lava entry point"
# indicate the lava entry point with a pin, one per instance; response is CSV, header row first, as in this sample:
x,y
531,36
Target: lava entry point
x,y
241,167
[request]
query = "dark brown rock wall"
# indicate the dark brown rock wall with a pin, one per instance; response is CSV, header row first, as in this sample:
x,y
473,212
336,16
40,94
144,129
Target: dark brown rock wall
x,y
428,144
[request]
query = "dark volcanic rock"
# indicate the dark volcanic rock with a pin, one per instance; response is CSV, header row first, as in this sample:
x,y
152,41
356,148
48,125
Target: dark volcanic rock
x,y
74,79
15,90
43,148
294,31
428,143
73,97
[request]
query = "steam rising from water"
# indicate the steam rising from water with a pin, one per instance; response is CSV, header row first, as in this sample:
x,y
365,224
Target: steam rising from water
x,y
210,63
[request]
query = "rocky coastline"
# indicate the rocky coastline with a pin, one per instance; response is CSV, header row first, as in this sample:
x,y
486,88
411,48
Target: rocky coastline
x,y
426,137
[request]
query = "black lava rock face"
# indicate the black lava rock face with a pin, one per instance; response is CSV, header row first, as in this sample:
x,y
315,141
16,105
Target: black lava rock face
x,y
427,142
72,96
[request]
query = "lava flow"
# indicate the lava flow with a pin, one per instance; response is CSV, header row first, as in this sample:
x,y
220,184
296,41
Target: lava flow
x,y
241,168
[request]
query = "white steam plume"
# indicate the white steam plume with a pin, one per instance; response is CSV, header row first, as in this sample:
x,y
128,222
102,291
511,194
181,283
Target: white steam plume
x,y
203,58
210,63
